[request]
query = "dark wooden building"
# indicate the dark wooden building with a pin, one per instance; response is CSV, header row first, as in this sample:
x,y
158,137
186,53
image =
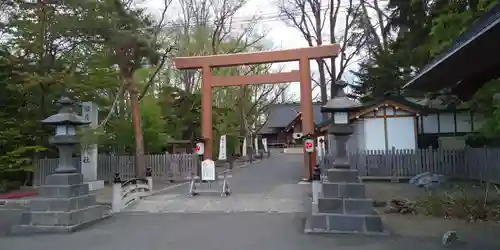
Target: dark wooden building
x,y
277,129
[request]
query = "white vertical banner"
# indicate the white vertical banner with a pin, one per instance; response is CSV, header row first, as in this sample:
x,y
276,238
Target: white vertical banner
x,y
222,148
264,144
244,149
89,152
256,144
321,146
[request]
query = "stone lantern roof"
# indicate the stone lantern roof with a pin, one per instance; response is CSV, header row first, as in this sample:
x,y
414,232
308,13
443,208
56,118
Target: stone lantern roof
x,y
65,115
341,102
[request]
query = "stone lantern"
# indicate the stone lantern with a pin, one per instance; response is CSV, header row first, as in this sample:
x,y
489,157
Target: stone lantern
x,y
64,203
342,206
339,107
65,138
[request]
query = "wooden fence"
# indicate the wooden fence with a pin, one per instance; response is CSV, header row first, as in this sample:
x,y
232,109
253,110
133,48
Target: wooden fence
x,y
164,166
472,163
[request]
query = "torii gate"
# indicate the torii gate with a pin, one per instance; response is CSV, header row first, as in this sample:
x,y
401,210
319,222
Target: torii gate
x,y
303,75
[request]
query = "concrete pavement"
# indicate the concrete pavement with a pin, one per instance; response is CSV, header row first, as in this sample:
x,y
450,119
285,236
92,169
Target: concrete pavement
x,y
269,185
243,221
215,231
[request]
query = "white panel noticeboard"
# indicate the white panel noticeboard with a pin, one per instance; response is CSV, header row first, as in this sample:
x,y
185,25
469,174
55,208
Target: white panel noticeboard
x,y
208,170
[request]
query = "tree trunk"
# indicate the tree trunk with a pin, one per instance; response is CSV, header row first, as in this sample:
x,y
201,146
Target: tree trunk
x,y
333,89
140,164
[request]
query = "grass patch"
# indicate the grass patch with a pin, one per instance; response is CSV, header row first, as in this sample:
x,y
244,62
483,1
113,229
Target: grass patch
x,y
467,201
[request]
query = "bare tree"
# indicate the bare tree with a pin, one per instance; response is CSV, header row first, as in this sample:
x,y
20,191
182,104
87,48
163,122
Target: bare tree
x,y
311,18
374,23
215,19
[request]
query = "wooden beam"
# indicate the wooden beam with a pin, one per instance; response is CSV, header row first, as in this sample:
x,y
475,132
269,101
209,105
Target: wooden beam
x,y
386,136
220,81
197,62
382,105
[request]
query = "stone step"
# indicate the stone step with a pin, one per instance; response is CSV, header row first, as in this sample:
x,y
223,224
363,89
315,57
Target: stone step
x,y
344,224
63,191
341,164
62,204
343,190
92,215
345,205
60,218
342,175
64,179
10,214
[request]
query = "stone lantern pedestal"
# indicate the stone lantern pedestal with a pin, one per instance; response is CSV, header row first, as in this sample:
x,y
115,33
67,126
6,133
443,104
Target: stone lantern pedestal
x,y
64,203
342,206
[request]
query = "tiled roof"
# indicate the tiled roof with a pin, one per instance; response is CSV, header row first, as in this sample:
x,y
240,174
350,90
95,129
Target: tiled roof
x,y
281,114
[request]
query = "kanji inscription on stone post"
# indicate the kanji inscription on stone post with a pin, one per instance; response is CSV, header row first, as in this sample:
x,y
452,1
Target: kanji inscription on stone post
x,y
89,152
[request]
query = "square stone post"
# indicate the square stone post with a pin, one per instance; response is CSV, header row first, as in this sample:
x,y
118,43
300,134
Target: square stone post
x,y
341,134
89,153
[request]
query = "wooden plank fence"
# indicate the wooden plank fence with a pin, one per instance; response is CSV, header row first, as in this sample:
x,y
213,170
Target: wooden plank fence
x,y
481,164
164,167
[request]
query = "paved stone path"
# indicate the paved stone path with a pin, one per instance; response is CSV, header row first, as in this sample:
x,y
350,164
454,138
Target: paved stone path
x,y
269,185
171,221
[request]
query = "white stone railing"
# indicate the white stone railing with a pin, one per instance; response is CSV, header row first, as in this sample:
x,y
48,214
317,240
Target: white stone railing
x,y
126,192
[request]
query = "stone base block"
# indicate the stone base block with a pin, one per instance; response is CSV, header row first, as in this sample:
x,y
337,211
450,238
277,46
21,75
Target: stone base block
x,y
62,204
343,190
63,191
60,222
345,224
341,163
59,218
64,179
345,206
342,175
358,206
95,185
331,205
10,214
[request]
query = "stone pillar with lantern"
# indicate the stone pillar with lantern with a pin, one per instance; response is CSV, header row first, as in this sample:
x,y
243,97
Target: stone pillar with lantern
x,y
64,203
342,206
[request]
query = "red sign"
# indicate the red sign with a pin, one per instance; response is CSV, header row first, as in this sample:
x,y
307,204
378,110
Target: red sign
x,y
199,149
309,146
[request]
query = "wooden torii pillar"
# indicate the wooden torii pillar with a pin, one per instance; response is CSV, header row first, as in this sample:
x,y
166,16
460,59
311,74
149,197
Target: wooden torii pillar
x,y
303,75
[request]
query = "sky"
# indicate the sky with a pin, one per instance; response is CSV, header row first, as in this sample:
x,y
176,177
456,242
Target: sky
x,y
280,34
